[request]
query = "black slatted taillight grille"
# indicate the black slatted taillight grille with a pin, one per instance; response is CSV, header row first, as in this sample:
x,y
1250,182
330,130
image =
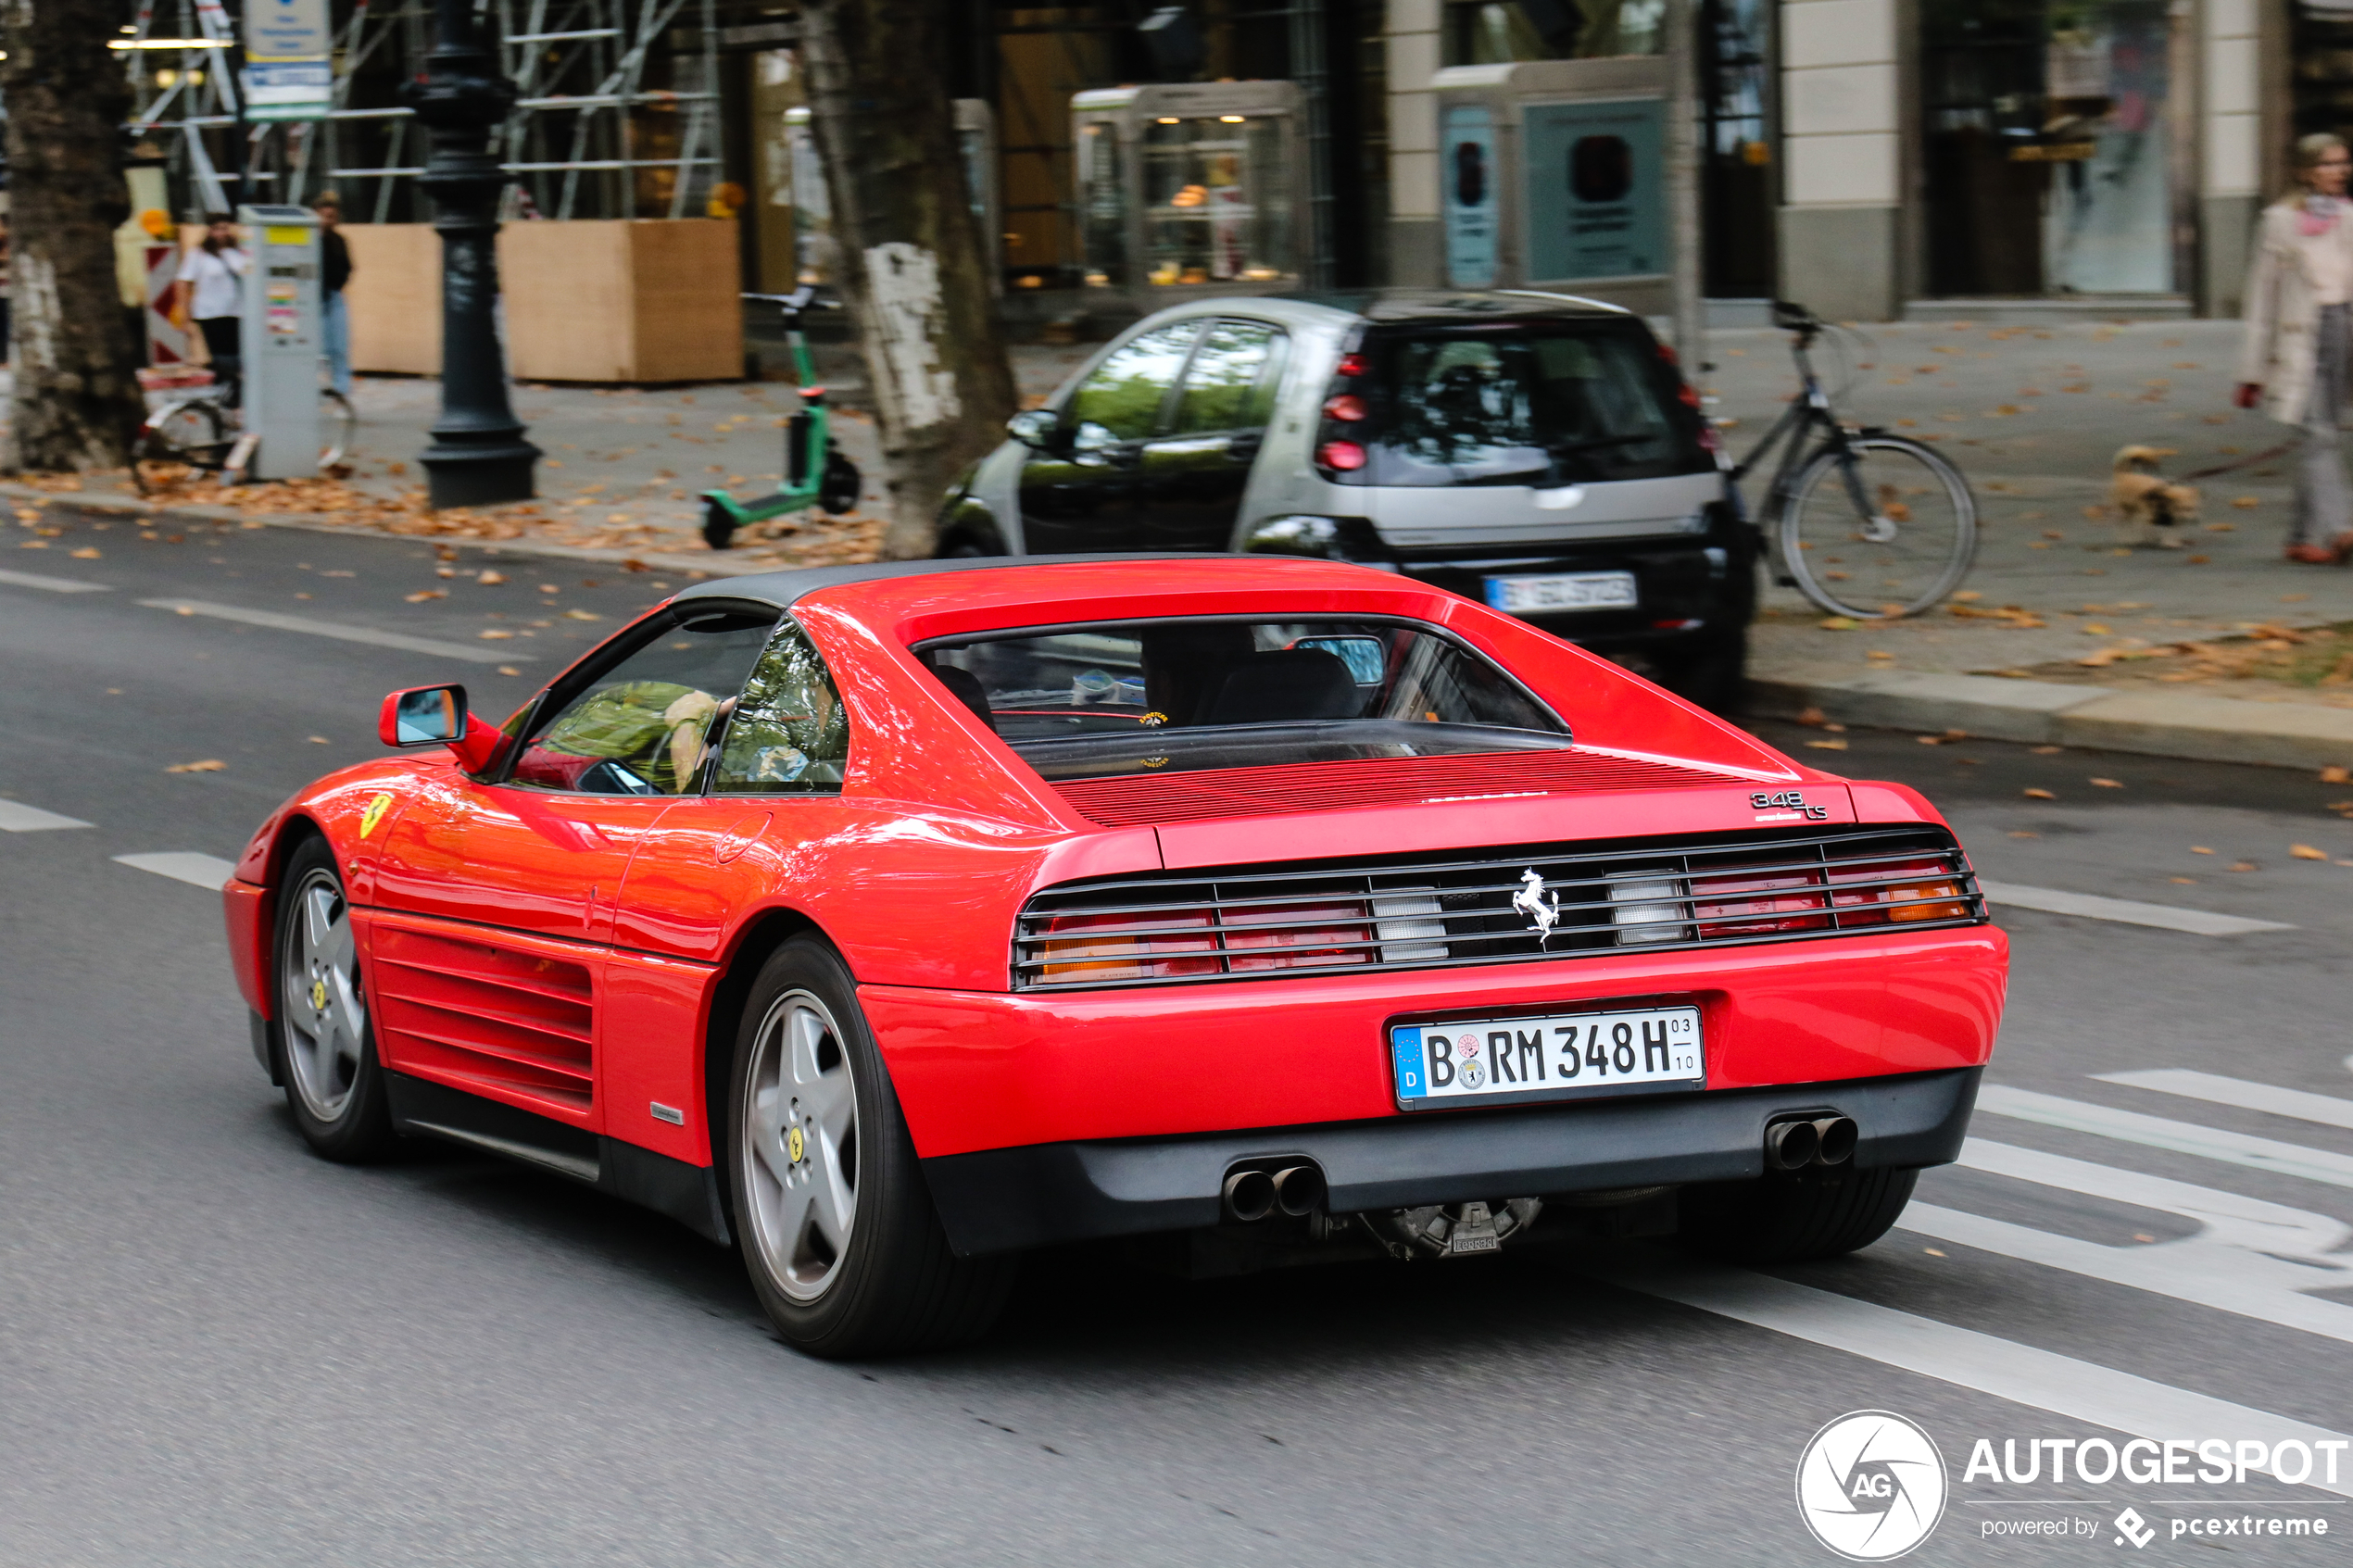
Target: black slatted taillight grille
x,y
1538,902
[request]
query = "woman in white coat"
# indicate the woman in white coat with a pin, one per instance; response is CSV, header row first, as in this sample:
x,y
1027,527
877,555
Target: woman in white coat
x,y
2299,340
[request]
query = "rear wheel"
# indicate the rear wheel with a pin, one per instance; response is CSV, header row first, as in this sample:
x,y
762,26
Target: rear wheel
x,y
839,491
326,1051
1884,528
832,1212
1788,1219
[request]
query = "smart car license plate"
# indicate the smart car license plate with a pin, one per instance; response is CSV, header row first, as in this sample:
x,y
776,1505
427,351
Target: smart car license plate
x,y
1577,590
1566,1056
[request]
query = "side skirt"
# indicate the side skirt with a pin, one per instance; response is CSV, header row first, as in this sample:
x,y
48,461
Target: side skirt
x,y
688,1194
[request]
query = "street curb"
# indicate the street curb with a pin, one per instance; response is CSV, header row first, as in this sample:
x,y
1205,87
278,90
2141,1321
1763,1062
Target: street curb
x,y
2209,729
713,565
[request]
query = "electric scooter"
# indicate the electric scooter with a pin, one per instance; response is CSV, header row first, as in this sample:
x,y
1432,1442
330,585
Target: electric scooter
x,y
815,474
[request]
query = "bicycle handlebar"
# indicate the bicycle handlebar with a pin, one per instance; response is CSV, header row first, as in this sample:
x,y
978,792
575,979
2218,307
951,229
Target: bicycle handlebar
x,y
1793,318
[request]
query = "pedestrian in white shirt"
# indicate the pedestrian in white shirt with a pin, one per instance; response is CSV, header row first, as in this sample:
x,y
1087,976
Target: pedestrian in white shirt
x,y
214,276
2299,340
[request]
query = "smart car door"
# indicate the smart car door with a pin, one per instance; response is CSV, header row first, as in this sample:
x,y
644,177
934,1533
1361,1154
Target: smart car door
x,y
494,895
1079,495
1192,476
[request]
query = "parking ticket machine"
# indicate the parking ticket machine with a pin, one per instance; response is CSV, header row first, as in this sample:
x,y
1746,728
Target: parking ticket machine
x,y
280,338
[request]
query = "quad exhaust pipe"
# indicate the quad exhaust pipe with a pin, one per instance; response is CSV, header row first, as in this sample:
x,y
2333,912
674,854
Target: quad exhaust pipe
x,y
1252,1194
1814,1140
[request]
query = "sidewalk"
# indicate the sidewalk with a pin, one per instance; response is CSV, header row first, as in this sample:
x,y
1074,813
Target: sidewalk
x,y
2032,415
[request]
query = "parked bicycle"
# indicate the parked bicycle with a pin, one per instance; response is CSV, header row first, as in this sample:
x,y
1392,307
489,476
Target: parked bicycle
x,y
815,471
199,427
1863,522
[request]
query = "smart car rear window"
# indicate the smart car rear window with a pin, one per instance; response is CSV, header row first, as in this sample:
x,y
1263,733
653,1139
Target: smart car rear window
x,y
1131,696
1540,404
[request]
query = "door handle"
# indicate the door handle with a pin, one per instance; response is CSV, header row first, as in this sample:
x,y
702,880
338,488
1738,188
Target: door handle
x,y
1244,448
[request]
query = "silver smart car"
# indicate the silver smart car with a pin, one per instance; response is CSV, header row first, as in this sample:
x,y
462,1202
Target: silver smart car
x,y
1536,451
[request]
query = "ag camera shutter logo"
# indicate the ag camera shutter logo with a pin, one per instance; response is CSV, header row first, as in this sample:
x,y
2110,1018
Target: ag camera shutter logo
x,y
1871,1486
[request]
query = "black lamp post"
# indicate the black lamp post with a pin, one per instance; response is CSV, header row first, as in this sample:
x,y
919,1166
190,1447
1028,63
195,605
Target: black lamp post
x,y
478,456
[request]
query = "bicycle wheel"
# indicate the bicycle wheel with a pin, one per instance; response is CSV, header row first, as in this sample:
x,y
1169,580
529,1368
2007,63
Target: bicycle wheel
x,y
190,434
337,426
1882,529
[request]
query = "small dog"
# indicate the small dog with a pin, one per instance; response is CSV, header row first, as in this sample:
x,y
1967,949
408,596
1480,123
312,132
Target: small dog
x,y
2154,511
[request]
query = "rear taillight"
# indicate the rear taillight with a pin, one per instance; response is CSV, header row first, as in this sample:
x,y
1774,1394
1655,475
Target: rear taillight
x,y
1914,890
1344,455
1347,407
1351,365
1159,945
1687,395
1759,906
1649,908
1312,937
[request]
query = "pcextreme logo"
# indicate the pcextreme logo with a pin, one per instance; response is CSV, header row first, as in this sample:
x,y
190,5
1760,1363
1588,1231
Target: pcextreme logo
x,y
1871,1486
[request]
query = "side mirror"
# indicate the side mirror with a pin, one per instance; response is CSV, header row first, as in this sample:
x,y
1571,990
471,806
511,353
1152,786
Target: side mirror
x,y
1037,428
437,715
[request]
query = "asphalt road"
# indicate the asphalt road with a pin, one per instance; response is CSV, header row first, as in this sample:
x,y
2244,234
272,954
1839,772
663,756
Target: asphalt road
x,y
217,1349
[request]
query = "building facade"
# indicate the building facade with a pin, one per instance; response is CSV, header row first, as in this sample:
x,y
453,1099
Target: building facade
x,y
1872,158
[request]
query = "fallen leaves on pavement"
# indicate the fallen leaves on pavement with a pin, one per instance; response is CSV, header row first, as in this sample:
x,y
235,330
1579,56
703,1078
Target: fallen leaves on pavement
x,y
209,765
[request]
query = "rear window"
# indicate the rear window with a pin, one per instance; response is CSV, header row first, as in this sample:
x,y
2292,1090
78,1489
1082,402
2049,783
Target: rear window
x,y
1174,696
1533,404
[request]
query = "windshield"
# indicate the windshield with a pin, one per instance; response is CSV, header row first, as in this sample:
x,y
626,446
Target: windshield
x,y
1523,404
1174,696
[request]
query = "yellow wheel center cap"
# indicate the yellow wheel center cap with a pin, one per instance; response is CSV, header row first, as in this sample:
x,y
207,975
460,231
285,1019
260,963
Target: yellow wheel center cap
x,y
793,1144
317,996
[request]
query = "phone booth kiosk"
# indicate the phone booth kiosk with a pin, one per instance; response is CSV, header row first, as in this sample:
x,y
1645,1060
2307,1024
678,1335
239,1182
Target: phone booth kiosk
x,y
1554,174
1190,187
279,340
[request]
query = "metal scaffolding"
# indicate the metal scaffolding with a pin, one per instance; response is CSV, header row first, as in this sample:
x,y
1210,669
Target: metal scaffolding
x,y
617,116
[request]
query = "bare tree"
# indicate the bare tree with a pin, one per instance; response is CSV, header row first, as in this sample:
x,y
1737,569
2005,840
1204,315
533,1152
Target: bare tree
x,y
77,396
912,267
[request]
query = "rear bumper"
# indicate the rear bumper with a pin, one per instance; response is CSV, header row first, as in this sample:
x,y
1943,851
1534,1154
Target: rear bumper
x,y
1000,1200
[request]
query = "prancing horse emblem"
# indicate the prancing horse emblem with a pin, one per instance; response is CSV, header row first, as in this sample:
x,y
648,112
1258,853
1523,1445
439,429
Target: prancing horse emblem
x,y
1542,914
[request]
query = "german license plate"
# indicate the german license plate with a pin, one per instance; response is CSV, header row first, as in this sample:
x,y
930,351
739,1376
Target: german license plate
x,y
1565,1056
1575,590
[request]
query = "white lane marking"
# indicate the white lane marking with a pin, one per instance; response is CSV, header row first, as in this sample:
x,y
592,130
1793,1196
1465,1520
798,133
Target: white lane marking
x,y
18,817
2156,1132
2052,900
2021,1373
55,584
209,872
2304,1106
373,638
2249,1257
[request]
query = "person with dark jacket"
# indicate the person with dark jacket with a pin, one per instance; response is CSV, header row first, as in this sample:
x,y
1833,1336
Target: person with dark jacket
x,y
334,272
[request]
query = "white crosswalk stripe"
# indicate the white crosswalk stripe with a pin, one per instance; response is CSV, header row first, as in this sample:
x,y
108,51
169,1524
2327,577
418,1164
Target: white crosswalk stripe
x,y
2301,1104
2158,1131
2249,1257
2021,1373
18,817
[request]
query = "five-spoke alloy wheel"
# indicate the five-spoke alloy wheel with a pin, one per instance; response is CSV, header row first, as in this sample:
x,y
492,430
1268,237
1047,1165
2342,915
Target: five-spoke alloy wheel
x,y
829,1203
325,1055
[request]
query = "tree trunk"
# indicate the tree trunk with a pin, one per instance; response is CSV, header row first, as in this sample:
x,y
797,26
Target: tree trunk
x,y
76,403
911,266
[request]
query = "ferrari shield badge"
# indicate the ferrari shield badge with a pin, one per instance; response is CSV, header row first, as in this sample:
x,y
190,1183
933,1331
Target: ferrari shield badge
x,y
374,814
793,1144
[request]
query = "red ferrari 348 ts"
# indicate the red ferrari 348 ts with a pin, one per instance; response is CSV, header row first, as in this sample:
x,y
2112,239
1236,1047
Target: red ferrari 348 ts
x,y
889,921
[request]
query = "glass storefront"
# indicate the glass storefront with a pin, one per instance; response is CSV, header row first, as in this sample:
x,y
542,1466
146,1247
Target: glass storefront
x,y
2047,145
1482,33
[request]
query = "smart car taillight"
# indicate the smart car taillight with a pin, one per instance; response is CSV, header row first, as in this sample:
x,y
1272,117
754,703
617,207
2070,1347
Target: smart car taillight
x,y
1351,365
1344,455
1347,407
1157,945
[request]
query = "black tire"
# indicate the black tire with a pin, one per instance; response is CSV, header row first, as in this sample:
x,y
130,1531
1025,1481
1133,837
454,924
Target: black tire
x,y
838,491
891,1284
322,1046
1788,1219
718,525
